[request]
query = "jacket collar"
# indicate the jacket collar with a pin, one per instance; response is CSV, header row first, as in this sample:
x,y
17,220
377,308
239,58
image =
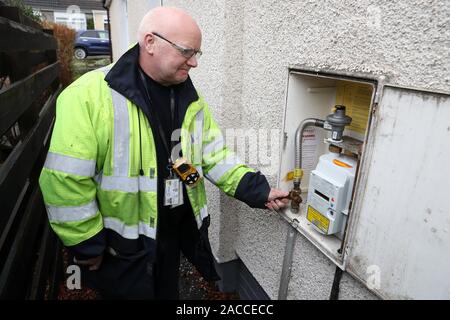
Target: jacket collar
x,y
124,78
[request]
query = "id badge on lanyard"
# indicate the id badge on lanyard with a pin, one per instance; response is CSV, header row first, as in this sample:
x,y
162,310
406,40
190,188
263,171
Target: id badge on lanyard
x,y
173,191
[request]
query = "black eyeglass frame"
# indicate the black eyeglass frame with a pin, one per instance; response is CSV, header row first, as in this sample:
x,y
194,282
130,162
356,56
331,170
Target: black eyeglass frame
x,y
185,52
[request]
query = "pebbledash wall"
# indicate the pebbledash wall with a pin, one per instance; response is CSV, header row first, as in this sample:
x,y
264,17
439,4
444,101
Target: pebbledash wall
x,y
248,47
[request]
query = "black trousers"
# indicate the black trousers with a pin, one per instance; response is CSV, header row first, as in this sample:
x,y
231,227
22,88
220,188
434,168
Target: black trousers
x,y
174,236
149,273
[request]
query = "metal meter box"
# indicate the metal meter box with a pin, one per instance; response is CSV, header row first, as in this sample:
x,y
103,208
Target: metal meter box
x,y
397,232
329,192
311,95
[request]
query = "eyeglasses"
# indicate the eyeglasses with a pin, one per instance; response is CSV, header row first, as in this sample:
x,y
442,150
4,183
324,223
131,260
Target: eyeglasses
x,y
185,52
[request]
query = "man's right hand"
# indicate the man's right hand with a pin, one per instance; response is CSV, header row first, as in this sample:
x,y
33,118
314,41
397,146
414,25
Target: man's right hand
x,y
92,263
277,199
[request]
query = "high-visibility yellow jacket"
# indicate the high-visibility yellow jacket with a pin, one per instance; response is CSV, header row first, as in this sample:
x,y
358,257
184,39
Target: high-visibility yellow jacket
x,y
91,178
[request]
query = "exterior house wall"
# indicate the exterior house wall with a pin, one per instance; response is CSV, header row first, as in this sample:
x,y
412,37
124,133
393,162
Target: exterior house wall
x,y
125,17
118,16
137,10
99,19
248,46
70,9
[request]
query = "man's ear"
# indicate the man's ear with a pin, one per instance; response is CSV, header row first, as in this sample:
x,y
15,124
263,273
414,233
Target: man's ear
x,y
149,41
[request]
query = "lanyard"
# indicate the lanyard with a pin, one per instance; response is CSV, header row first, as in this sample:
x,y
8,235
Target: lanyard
x,y
158,121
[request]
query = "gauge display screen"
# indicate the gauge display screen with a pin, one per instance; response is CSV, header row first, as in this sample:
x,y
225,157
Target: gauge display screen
x,y
183,168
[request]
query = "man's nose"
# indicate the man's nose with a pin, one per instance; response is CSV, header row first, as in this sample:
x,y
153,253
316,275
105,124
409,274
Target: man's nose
x,y
192,62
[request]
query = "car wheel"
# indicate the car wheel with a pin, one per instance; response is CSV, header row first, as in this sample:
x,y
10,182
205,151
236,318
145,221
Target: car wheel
x,y
80,53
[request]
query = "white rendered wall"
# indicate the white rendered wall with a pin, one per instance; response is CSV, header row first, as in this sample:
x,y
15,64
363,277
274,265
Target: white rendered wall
x,y
248,46
136,11
118,15
126,16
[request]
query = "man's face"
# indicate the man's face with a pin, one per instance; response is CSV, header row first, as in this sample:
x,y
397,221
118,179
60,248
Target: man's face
x,y
172,64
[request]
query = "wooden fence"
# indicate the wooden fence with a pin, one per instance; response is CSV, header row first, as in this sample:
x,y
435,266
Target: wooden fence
x,y
30,254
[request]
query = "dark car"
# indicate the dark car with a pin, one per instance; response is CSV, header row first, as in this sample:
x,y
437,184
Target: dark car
x,y
90,43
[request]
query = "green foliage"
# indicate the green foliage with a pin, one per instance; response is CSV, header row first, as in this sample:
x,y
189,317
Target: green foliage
x,y
26,10
90,24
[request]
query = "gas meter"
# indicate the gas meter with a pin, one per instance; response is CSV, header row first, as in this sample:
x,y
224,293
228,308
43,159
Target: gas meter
x,y
330,191
331,183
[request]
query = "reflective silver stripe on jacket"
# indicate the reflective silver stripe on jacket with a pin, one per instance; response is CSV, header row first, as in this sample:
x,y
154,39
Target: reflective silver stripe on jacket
x,y
197,138
120,180
127,184
129,232
70,165
199,170
121,147
198,128
203,213
121,152
214,146
75,213
222,167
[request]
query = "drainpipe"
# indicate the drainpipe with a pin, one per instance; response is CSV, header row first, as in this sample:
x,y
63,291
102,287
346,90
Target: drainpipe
x,y
107,5
287,261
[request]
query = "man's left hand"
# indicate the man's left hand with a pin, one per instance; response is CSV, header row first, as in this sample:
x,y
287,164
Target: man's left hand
x,y
277,199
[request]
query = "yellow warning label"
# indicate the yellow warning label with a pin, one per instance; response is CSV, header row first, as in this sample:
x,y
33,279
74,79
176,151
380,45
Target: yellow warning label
x,y
316,218
357,98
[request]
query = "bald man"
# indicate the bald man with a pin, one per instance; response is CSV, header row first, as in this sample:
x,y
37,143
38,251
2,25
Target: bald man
x,y
123,182
167,55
